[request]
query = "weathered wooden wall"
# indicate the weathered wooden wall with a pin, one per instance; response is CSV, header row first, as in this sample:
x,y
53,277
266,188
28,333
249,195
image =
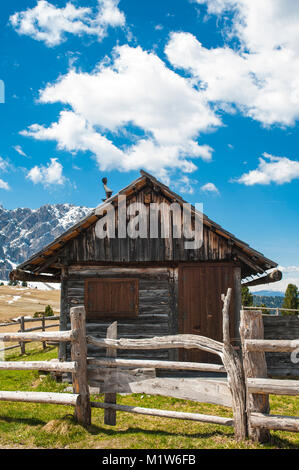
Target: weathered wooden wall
x,y
282,327
157,306
87,247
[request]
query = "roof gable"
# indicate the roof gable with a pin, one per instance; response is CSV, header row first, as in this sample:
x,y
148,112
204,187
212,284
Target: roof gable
x,y
228,246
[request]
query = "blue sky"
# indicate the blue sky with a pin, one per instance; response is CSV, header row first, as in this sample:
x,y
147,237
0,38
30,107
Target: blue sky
x,y
203,94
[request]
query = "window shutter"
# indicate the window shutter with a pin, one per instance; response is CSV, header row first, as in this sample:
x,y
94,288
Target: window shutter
x,y
116,298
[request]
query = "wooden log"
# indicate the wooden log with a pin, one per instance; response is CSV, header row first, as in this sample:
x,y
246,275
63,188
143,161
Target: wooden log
x,y
173,365
161,342
275,422
274,276
39,365
20,275
41,397
274,386
53,336
167,414
271,345
255,366
235,375
79,355
110,414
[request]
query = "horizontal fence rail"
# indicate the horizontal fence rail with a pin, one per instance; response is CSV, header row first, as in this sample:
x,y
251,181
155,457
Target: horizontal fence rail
x,y
161,342
277,309
270,345
275,422
274,386
41,397
59,336
40,365
165,413
152,364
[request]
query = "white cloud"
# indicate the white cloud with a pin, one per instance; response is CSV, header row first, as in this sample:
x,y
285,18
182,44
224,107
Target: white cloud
x,y
271,169
136,96
210,188
47,175
19,150
4,165
185,185
4,185
259,75
50,24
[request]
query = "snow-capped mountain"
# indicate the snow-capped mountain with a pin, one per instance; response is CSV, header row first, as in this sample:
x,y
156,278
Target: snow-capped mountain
x,y
23,232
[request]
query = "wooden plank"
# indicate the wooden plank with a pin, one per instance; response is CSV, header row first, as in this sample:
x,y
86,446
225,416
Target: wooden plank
x,y
41,397
255,366
167,414
79,355
271,345
110,414
275,386
275,422
39,365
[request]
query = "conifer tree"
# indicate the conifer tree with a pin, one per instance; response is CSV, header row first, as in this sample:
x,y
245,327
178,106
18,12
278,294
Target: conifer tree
x,y
291,300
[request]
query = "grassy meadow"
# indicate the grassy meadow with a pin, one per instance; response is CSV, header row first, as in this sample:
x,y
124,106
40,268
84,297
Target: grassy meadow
x,y
26,425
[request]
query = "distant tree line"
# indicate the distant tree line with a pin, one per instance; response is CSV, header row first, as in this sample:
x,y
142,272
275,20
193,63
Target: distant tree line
x,y
290,301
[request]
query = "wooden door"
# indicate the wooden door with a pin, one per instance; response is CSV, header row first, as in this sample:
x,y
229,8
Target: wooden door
x,y
200,305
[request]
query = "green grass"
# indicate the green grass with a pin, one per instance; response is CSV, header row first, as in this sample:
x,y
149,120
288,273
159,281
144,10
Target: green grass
x,y
52,426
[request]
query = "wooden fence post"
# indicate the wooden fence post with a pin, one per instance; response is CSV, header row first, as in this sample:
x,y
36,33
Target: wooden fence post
x,y
255,366
235,374
22,329
110,415
79,355
44,329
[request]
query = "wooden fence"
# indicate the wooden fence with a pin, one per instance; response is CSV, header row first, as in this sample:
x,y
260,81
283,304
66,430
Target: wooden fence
x,y
295,311
78,367
230,359
22,322
258,385
249,392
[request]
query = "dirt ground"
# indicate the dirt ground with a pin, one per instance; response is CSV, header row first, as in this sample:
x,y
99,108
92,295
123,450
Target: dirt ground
x,y
18,301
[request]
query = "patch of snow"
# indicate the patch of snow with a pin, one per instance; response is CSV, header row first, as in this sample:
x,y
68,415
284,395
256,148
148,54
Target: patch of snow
x,y
14,299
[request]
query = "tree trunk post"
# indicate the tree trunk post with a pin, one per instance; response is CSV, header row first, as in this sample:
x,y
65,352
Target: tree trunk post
x,y
235,374
255,366
110,415
79,355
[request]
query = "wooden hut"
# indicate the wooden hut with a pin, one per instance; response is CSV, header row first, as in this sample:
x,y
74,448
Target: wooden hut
x,y
151,286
